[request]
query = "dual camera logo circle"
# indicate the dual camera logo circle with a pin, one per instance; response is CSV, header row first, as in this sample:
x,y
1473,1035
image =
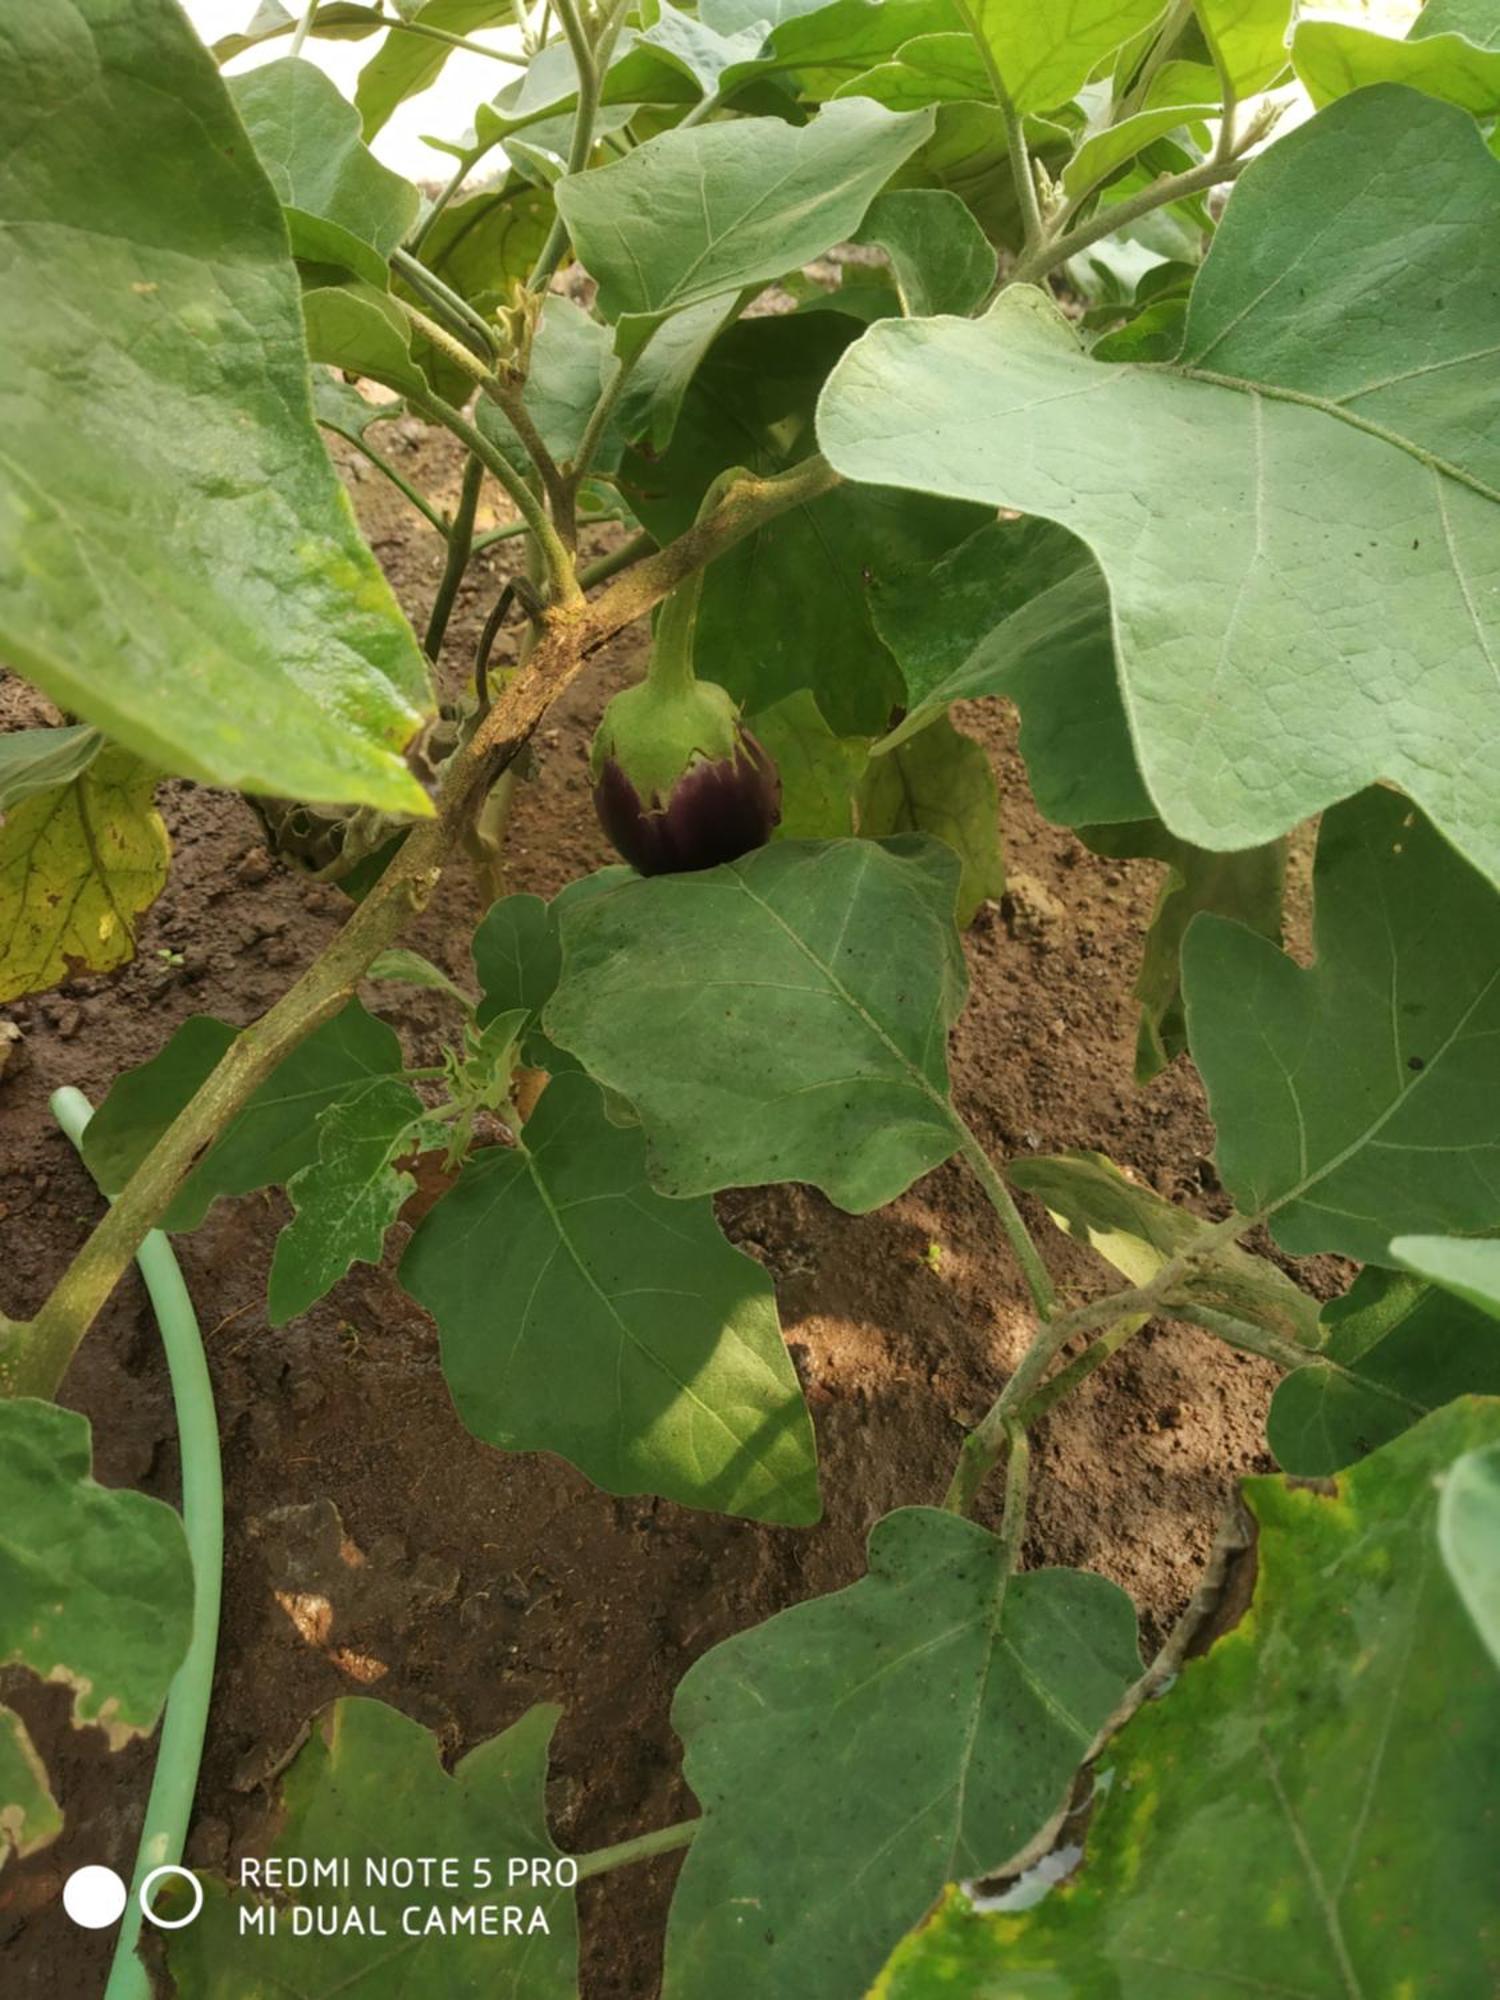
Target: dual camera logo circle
x,y
95,1897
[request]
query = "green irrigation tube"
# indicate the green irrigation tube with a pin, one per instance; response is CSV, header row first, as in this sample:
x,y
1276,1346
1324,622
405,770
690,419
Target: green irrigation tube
x,y
180,1750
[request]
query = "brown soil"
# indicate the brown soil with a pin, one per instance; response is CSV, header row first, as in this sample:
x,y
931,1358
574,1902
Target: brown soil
x,y
492,1582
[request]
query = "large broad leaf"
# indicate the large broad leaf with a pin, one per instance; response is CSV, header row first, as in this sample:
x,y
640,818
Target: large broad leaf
x,y
1136,1231
1268,669
1360,1098
342,206
368,1789
939,781
1390,1352
405,64
29,1815
780,1019
1046,54
1246,886
1310,1809
692,215
554,1259
266,1143
181,565
79,863
96,1586
787,608
347,1198
853,1754
1471,1270
1335,57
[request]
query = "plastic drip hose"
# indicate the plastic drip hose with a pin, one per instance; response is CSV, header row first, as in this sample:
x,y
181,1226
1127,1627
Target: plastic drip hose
x,y
180,1750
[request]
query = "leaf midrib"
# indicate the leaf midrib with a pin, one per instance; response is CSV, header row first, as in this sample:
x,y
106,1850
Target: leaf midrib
x,y
1276,392
628,1334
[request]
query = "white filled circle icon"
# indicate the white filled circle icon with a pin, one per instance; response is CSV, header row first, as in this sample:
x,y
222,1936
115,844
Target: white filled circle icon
x,y
94,1897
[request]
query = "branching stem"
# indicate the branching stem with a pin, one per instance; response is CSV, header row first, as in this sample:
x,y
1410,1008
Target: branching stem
x,y
982,1447
1015,131
34,1354
592,64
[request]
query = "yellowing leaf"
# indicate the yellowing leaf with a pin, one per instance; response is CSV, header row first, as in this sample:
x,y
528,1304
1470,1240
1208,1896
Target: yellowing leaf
x,y
79,863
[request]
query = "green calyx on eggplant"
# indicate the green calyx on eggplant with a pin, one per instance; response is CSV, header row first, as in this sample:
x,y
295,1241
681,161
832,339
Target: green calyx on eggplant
x,y
679,783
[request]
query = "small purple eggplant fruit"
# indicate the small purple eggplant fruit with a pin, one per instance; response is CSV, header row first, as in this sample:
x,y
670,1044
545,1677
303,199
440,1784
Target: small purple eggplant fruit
x,y
679,782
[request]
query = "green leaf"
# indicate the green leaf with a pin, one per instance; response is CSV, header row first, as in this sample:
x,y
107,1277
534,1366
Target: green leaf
x,y
779,1019
939,781
817,49
854,1753
1104,152
937,68
1046,54
79,863
692,46
406,64
939,255
78,1564
335,20
786,609
342,206
182,567
1137,1231
1471,1271
39,760
357,328
1367,413
694,214
342,409
1390,1352
820,772
652,398
1308,1810
518,955
409,968
1469,1536
1357,1100
347,1198
30,1818
269,1140
1251,39
368,1786
1021,609
1335,57
677,1379
1247,887
1476,20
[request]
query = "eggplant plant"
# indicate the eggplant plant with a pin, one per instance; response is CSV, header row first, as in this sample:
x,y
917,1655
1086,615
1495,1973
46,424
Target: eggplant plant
x,y
1160,402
